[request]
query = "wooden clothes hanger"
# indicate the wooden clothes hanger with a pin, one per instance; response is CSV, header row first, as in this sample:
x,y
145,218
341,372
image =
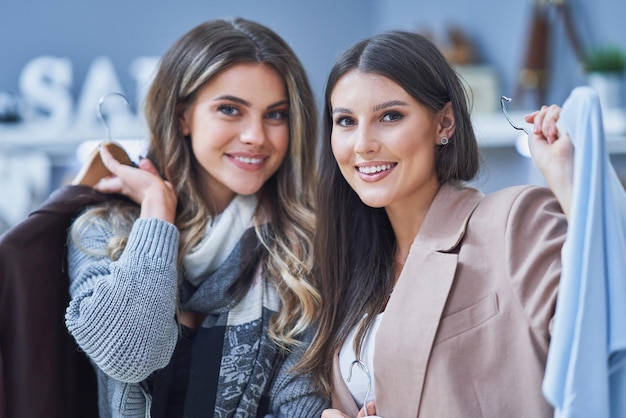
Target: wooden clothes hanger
x,y
93,170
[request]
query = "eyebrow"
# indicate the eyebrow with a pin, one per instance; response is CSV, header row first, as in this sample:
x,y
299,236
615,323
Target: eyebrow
x,y
376,108
390,103
341,110
247,103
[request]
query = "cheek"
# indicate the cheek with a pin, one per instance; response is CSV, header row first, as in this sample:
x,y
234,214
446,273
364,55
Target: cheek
x,y
342,152
203,150
412,143
280,141
211,136
337,149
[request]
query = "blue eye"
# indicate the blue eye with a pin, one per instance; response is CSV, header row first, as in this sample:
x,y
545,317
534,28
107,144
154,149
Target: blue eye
x,y
278,115
228,110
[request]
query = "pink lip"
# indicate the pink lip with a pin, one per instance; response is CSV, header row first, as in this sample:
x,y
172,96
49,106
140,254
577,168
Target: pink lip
x,y
373,177
236,159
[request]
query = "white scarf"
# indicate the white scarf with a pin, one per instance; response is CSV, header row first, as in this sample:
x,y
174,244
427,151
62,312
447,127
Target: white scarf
x,y
219,239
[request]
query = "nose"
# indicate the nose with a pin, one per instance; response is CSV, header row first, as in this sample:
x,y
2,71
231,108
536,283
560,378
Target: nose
x,y
365,141
253,132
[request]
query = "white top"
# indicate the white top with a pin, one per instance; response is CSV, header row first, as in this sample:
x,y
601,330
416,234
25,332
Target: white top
x,y
359,381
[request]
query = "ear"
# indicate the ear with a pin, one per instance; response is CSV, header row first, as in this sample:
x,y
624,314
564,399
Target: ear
x,y
446,122
184,119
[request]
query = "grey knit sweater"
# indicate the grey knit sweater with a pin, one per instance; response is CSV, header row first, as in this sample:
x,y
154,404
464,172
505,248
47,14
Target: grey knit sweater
x,y
122,314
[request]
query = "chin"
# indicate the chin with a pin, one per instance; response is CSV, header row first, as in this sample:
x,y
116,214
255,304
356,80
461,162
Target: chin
x,y
374,202
247,189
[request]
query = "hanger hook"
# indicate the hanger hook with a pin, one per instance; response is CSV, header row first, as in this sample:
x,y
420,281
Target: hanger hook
x,y
99,111
506,115
369,381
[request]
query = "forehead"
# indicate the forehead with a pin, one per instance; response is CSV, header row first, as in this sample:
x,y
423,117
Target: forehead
x,y
248,78
358,85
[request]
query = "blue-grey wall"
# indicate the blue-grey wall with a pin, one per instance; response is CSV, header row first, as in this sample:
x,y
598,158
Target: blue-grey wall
x,y
83,30
317,30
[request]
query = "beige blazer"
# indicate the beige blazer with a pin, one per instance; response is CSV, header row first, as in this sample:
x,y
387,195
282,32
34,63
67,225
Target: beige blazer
x,y
466,331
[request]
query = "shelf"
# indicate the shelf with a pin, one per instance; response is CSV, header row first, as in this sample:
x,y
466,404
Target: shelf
x,y
59,144
493,130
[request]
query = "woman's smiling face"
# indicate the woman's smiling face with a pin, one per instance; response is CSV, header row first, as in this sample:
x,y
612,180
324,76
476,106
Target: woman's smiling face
x,y
239,128
384,141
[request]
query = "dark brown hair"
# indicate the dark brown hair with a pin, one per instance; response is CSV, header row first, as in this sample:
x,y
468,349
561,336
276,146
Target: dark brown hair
x,y
354,243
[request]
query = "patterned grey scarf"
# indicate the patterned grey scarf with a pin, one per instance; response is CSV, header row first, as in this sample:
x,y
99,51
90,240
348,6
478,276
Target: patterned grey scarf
x,y
238,297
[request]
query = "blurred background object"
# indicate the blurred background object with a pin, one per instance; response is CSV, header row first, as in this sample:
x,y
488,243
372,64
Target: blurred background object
x,y
24,184
534,75
58,59
605,66
10,107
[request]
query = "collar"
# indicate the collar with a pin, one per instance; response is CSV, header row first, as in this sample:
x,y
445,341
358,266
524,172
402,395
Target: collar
x,y
446,219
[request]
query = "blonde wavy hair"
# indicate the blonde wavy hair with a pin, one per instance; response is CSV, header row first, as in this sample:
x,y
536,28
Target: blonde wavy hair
x,y
287,196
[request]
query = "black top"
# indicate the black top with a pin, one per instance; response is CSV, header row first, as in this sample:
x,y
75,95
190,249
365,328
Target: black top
x,y
180,390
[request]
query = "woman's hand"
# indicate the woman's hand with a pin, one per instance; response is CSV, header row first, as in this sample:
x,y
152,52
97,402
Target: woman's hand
x,y
371,410
142,185
553,153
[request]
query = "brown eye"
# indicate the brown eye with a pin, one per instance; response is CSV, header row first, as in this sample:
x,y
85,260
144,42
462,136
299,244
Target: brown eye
x,y
391,116
344,121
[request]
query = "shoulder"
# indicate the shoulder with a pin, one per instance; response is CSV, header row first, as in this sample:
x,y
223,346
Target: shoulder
x,y
525,205
522,220
111,217
515,193
89,228
517,218
525,200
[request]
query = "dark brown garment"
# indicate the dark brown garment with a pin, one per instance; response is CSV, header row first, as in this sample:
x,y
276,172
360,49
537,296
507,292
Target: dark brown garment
x,y
42,371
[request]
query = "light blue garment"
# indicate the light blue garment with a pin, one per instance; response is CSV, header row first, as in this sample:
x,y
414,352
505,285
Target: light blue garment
x,y
586,369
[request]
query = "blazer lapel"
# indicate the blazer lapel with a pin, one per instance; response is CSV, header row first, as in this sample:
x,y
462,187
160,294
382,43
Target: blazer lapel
x,y
404,338
407,331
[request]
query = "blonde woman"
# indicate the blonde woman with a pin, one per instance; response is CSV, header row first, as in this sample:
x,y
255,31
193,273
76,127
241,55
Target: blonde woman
x,y
194,299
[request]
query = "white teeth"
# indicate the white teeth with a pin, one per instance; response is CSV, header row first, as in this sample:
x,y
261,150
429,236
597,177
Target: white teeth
x,y
375,168
249,160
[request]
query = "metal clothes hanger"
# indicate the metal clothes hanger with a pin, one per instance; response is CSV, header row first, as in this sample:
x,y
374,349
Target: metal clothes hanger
x,y
99,111
506,115
94,170
369,383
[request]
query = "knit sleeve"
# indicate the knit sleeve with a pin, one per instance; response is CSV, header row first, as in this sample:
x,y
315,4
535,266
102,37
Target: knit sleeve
x,y
121,313
295,395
